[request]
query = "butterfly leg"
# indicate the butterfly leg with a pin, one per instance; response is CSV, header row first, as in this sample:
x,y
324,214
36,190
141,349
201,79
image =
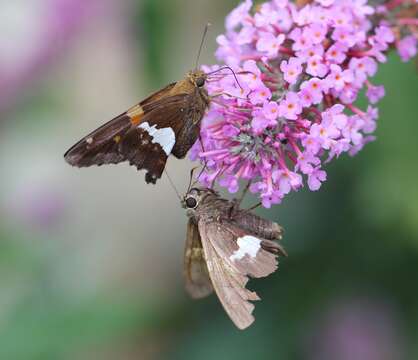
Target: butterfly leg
x,y
236,203
205,165
254,207
235,209
225,94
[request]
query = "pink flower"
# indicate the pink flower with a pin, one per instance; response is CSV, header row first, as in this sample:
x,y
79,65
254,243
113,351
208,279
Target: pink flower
x,y
355,149
302,17
228,51
327,130
344,36
311,143
268,194
341,18
271,110
269,43
305,55
306,97
375,93
316,178
407,47
337,148
377,50
315,88
370,118
352,132
252,74
228,85
384,35
266,15
362,68
336,53
335,116
290,107
291,69
316,32
348,94
316,67
301,41
338,78
246,35
306,162
230,182
360,8
287,180
237,16
260,95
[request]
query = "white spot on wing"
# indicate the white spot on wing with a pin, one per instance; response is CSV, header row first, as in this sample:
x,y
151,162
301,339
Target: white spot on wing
x,y
247,245
89,140
165,137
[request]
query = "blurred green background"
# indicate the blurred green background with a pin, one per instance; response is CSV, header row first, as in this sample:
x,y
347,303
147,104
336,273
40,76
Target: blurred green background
x,y
91,260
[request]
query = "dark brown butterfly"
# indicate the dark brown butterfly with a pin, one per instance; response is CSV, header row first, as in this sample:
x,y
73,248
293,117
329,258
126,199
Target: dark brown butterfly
x,y
167,122
224,247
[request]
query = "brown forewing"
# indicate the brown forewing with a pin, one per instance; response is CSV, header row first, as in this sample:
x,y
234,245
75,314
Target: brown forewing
x,y
198,283
229,277
120,139
101,146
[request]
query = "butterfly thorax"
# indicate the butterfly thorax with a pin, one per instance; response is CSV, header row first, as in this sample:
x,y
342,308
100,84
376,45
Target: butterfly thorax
x,y
212,206
206,204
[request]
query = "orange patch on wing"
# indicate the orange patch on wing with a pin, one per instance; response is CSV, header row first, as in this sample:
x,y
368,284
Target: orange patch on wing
x,y
117,139
136,113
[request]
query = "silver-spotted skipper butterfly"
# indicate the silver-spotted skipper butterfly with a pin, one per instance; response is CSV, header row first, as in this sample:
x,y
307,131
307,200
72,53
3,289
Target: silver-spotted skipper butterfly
x,y
165,123
224,247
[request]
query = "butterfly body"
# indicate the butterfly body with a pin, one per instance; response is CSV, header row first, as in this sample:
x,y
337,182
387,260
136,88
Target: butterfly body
x,y
166,123
224,247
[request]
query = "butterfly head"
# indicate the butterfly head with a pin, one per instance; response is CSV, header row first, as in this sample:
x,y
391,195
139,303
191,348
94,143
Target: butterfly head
x,y
194,198
197,78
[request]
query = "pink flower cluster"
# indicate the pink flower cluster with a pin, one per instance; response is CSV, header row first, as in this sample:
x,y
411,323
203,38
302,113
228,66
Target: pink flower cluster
x,y
291,107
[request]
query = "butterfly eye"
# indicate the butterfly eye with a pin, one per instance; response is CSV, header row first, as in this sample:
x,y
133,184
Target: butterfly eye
x,y
200,82
191,203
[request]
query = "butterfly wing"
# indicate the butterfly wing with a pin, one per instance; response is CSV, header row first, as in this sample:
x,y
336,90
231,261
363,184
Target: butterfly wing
x,y
101,146
233,255
144,136
198,283
148,144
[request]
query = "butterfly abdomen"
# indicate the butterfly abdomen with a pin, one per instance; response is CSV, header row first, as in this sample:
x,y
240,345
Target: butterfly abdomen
x,y
258,226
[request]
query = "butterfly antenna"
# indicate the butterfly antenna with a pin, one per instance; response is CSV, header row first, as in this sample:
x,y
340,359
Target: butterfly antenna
x,y
205,32
230,69
191,183
172,185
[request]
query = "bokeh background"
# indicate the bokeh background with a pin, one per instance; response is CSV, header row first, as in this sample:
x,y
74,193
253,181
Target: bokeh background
x,y
91,260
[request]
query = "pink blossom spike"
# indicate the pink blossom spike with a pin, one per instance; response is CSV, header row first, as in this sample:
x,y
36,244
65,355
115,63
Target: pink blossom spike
x,y
300,70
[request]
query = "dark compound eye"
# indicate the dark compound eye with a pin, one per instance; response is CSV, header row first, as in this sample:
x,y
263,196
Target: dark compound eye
x,y
191,202
200,82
